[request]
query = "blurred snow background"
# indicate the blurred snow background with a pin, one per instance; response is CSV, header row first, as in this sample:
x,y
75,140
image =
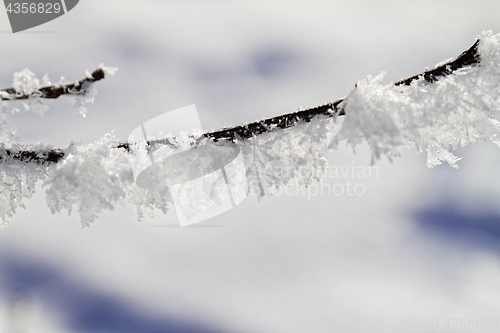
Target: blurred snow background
x,y
420,247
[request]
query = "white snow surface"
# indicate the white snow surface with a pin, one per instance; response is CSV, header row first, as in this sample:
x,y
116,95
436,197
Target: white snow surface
x,y
453,112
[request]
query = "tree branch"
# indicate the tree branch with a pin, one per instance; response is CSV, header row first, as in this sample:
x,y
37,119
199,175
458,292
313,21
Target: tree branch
x,y
75,88
468,58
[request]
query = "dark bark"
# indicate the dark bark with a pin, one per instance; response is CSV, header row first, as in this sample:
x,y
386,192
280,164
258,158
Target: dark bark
x,y
75,88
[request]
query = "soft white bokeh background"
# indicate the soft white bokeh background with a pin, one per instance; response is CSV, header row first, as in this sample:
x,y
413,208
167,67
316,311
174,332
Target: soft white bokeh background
x,y
420,247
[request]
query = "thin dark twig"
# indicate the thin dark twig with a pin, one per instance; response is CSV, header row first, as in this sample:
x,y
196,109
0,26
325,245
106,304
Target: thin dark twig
x,y
468,58
75,88
27,156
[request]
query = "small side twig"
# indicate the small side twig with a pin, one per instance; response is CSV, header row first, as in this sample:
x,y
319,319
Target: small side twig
x,y
75,88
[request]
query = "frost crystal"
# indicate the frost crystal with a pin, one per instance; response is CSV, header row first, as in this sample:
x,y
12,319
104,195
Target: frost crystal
x,y
7,131
93,177
277,157
98,176
452,112
25,82
17,181
80,100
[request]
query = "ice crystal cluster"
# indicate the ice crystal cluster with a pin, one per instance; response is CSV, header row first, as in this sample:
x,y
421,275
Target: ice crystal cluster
x,y
452,112
438,117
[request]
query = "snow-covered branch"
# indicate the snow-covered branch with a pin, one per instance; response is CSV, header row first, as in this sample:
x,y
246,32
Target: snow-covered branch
x,y
436,111
53,91
467,58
